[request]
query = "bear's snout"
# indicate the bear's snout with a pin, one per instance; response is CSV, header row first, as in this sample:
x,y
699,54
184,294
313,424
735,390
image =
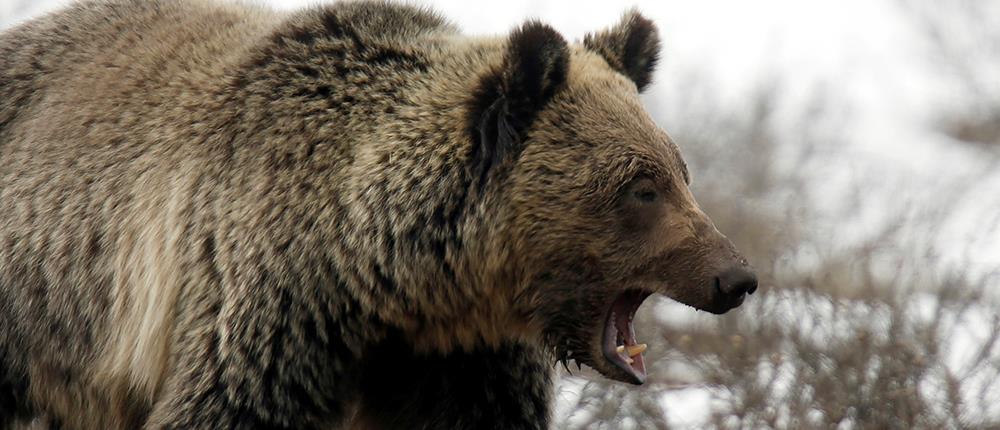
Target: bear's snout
x,y
736,281
733,285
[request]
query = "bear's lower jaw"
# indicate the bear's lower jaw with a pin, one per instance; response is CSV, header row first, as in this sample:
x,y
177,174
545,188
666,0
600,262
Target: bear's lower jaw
x,y
618,344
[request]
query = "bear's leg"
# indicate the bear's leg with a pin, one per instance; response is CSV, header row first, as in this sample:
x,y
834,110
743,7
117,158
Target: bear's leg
x,y
207,392
197,399
14,405
13,393
263,359
502,388
195,393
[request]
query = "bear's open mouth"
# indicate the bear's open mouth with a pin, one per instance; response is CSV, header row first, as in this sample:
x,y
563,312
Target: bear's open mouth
x,y
619,344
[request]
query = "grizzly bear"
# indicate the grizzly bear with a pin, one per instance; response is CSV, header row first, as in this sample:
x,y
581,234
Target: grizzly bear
x,y
219,216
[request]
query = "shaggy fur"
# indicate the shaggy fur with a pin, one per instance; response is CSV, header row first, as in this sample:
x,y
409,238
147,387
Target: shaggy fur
x,y
221,216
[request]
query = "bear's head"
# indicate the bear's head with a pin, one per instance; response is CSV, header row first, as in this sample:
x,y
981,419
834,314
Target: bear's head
x,y
599,211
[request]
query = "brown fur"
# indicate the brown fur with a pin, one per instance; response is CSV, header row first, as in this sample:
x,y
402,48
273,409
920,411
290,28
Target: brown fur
x,y
220,216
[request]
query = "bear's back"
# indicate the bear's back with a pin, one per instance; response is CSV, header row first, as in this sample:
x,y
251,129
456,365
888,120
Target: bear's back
x,y
112,50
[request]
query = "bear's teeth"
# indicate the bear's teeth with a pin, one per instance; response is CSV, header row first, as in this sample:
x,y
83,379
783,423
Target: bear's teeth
x,y
635,350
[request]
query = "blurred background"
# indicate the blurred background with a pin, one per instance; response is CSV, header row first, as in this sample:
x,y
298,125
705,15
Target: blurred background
x,y
852,150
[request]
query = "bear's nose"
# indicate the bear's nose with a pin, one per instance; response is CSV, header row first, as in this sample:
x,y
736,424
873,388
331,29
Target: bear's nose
x,y
736,282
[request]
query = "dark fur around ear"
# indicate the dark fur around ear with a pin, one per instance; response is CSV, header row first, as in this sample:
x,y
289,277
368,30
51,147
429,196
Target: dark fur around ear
x,y
632,47
509,97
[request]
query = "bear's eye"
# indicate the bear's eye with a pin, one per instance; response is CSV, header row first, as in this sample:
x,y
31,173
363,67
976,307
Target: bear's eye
x,y
645,195
643,190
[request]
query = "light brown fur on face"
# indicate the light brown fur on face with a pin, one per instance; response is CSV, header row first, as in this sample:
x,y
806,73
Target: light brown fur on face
x,y
222,216
575,177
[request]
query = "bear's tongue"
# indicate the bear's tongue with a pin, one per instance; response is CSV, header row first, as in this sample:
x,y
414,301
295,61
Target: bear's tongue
x,y
620,346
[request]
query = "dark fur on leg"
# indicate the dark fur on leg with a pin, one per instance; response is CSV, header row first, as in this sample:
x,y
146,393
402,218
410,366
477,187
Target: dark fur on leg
x,y
501,388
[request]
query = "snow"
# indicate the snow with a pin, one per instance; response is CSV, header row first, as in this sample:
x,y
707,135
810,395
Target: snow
x,y
688,407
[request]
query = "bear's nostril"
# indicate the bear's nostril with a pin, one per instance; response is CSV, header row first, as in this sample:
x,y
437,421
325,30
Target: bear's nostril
x,y
736,282
751,285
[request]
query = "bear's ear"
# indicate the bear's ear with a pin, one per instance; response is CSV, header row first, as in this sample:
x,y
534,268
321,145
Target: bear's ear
x,y
632,47
509,98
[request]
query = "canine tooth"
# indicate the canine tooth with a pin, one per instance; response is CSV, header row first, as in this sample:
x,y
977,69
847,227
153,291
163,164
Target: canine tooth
x,y
620,349
629,360
635,350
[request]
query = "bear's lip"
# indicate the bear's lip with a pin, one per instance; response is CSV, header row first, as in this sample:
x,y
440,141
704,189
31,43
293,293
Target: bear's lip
x,y
619,336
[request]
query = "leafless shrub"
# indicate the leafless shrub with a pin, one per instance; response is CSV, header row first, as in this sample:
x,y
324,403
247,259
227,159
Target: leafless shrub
x,y
964,43
806,359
